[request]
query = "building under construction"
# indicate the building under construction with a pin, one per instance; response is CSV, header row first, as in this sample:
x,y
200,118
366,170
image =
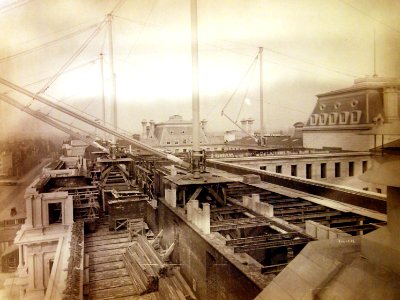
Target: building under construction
x,y
116,218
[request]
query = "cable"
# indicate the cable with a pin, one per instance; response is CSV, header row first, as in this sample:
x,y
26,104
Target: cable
x,y
141,32
12,6
369,16
71,60
247,72
117,7
328,68
67,36
245,96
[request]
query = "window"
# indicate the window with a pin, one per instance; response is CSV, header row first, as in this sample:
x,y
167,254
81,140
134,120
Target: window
x,y
364,166
343,117
278,169
176,150
184,150
184,141
333,118
351,168
337,169
365,189
323,170
355,117
313,119
264,168
322,119
55,215
379,190
176,142
168,142
308,171
293,170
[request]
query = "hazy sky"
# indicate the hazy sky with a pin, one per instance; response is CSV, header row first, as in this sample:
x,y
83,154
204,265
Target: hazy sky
x,y
311,46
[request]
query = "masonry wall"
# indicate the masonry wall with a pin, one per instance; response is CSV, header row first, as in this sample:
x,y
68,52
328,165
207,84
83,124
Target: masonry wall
x,y
347,140
343,178
126,209
208,272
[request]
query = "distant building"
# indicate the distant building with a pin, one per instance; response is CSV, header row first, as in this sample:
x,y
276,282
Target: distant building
x,y
175,135
341,118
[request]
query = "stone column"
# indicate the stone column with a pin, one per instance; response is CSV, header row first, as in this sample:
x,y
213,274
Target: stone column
x,y
391,104
37,218
29,210
206,218
20,257
31,271
173,197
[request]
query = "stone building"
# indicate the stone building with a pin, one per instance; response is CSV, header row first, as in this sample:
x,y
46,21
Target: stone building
x,y
43,241
175,135
341,117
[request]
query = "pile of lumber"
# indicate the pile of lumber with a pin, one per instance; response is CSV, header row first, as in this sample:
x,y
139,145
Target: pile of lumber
x,y
144,265
174,287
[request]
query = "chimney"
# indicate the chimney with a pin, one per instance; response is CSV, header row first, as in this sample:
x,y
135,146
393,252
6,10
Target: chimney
x,y
298,130
152,128
147,131
144,123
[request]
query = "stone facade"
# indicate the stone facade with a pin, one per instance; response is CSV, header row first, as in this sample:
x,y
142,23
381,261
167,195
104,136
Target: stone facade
x,y
343,118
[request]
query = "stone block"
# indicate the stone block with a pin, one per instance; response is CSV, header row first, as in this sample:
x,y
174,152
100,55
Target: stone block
x,y
311,228
322,232
251,178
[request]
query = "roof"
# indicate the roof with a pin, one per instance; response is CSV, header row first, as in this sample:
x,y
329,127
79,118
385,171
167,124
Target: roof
x,y
364,83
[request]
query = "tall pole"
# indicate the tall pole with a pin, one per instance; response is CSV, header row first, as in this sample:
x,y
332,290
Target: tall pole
x,y
103,97
374,55
260,51
113,82
196,151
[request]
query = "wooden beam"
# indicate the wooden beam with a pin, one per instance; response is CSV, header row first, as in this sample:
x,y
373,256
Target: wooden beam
x,y
216,196
196,193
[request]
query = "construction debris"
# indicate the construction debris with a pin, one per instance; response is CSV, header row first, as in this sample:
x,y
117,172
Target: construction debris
x,y
73,284
144,265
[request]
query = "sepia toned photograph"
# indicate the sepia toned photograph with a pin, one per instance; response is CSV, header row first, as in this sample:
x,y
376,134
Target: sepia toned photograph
x,y
200,149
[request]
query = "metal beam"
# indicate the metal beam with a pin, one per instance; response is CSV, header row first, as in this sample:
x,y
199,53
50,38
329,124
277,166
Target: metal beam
x,y
238,223
312,216
269,245
261,238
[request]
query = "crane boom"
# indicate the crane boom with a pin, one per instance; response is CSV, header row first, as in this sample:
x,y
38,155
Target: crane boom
x,y
80,117
41,116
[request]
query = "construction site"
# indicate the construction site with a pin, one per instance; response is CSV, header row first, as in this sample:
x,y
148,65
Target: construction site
x,y
116,216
